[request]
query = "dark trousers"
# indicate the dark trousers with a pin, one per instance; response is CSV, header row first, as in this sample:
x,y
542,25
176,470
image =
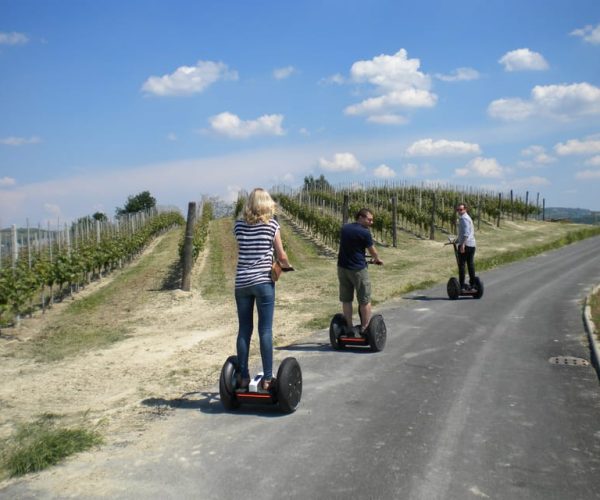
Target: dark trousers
x,y
467,258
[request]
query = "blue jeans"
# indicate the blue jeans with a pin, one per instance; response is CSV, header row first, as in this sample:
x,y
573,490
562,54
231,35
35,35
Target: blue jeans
x,y
264,296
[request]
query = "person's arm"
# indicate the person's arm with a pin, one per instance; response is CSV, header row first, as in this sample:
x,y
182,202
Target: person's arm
x,y
280,254
463,234
373,253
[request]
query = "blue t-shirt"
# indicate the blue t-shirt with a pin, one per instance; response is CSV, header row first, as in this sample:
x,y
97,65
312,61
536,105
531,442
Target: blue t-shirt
x,y
354,240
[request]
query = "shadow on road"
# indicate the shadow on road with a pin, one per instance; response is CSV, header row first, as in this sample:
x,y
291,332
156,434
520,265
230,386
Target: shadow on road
x,y
210,403
307,346
424,298
324,347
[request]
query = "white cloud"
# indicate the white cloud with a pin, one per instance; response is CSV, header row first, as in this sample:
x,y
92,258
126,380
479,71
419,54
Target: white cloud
x,y
587,146
232,126
171,183
589,33
408,98
538,155
171,136
19,141
52,210
593,162
384,172
398,84
13,38
555,101
283,73
481,167
188,80
389,119
414,170
341,162
459,75
442,147
533,150
585,175
530,181
523,60
336,79
7,182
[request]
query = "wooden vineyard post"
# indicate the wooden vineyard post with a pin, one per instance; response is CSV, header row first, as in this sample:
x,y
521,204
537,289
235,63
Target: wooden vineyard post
x,y
188,247
345,215
526,203
395,221
499,208
512,206
543,209
432,225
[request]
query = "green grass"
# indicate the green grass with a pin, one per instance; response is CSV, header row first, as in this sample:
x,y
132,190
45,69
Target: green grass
x,y
40,444
219,269
103,317
524,253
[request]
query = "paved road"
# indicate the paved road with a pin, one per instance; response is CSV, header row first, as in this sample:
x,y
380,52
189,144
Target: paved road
x,y
462,403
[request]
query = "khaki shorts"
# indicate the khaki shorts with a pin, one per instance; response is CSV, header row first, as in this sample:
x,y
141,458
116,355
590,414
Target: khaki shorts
x,y
354,280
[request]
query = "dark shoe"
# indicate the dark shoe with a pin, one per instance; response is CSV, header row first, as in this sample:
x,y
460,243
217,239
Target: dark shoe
x,y
266,384
242,383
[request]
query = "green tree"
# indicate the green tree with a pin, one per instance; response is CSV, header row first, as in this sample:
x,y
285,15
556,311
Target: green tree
x,y
320,184
100,216
137,203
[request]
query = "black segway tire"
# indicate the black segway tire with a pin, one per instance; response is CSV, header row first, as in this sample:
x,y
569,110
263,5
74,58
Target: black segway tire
x,y
377,333
336,328
227,383
289,385
453,288
478,284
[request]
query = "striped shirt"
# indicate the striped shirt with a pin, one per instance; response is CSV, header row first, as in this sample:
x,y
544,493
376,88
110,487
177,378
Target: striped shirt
x,y
255,252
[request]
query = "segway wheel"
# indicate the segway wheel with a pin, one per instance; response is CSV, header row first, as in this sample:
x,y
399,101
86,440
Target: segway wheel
x,y
289,385
227,383
478,284
336,328
453,288
377,333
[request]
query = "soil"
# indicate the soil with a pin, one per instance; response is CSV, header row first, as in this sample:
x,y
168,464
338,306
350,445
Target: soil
x,y
176,343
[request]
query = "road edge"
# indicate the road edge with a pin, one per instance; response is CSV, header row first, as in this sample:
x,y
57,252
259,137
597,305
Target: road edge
x,y
590,328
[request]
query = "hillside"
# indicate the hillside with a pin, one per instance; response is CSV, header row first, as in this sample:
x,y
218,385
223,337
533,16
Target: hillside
x,y
157,345
578,215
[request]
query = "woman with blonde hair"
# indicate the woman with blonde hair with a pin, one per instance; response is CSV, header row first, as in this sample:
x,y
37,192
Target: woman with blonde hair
x,y
258,236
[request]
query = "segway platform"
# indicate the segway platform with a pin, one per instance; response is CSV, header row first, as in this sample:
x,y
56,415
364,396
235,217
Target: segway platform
x,y
285,391
374,336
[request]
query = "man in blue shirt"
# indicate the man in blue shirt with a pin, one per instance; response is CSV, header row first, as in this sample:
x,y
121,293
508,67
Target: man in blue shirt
x,y
353,275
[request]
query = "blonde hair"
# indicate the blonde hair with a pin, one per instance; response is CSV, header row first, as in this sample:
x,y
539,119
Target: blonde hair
x,y
260,207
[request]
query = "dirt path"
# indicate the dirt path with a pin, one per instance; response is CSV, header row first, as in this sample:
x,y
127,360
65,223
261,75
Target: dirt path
x,y
175,344
170,348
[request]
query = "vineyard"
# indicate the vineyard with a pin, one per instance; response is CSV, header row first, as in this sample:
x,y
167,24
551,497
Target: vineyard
x,y
421,211
51,264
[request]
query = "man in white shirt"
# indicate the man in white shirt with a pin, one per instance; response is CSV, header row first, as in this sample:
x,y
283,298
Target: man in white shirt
x,y
466,246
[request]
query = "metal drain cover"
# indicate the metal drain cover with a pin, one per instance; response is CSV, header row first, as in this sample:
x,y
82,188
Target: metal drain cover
x,y
568,360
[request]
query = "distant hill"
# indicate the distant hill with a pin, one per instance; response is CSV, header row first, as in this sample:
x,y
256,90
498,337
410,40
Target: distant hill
x,y
579,215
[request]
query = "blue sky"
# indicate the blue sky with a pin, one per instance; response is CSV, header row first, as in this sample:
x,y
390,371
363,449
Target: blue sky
x,y
103,99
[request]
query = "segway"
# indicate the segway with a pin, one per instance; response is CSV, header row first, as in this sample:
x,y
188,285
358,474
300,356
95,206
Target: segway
x,y
340,335
453,287
285,391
